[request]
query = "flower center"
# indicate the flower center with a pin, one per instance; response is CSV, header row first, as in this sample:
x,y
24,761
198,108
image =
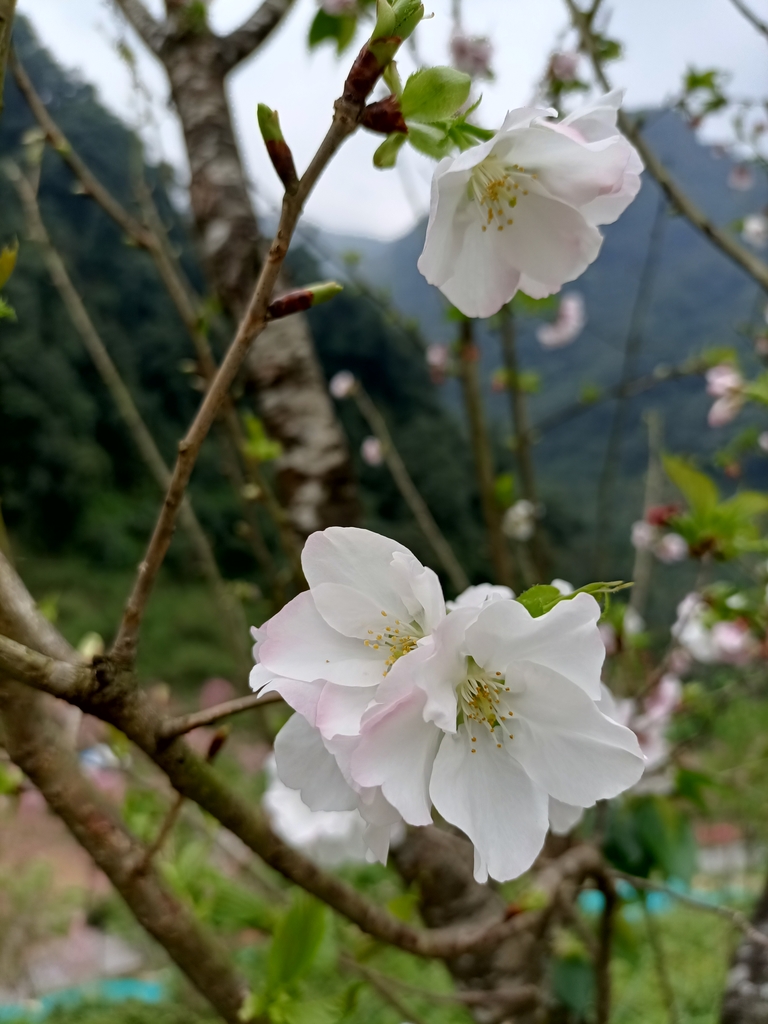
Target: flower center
x,y
495,187
483,699
394,640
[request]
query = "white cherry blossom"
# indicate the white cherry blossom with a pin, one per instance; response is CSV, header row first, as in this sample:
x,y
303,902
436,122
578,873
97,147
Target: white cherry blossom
x,y
491,718
479,595
521,210
568,324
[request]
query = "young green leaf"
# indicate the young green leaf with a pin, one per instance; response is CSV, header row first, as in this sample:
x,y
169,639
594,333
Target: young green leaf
x,y
295,942
386,155
433,94
699,490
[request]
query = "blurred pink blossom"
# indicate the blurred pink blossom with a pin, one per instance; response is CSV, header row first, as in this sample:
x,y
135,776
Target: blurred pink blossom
x,y
371,451
734,642
567,326
339,7
564,66
755,230
741,178
671,548
725,384
724,410
215,691
437,356
341,384
609,638
644,535
472,55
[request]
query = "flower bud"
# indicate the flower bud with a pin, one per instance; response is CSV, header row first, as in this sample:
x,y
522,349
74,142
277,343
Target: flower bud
x,y
302,298
384,117
371,451
277,148
342,384
385,20
408,14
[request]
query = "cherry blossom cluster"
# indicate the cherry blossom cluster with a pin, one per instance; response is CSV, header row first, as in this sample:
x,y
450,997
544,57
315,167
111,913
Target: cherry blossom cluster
x,y
404,706
651,534
726,385
712,640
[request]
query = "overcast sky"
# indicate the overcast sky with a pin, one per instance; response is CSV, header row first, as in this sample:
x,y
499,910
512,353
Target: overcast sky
x,y
661,37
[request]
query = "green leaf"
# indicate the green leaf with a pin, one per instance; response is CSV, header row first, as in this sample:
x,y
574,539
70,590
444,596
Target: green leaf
x,y
433,94
504,489
296,942
7,312
258,444
328,27
7,262
386,155
429,140
757,389
538,600
699,490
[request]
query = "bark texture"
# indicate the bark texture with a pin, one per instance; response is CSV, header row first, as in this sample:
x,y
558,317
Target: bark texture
x,y
746,993
314,472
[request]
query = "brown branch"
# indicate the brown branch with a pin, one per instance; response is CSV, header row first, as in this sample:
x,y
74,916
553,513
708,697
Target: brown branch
x,y
253,32
735,917
173,727
136,14
384,987
408,489
108,696
751,17
469,356
34,745
226,603
7,11
677,197
347,112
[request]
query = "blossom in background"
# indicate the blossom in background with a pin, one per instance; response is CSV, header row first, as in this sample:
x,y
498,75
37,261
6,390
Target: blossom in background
x,y
519,520
563,67
755,230
329,838
437,357
336,8
741,178
729,642
479,595
762,441
492,718
725,384
671,548
371,451
342,384
369,604
667,547
472,55
568,325
521,210
643,535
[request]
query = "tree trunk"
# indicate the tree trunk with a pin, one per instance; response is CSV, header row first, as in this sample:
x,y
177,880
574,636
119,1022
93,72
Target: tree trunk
x,y
746,993
315,474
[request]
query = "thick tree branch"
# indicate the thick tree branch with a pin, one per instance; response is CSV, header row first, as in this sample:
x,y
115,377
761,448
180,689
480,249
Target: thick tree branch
x,y
751,17
115,701
136,14
7,10
677,197
246,39
33,744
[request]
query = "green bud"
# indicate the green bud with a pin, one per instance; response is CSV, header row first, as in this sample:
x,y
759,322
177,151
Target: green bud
x,y
434,94
269,124
386,155
392,79
408,14
324,290
385,20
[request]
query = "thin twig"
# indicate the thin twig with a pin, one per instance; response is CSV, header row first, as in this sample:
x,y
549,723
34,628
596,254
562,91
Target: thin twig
x,y
7,10
660,964
226,602
385,989
469,357
735,917
752,18
408,489
755,267
173,727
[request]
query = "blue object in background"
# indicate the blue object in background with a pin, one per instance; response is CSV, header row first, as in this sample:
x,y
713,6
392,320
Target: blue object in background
x,y
117,990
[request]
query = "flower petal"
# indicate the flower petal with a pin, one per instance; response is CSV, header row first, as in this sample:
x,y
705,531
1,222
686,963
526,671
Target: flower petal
x,y
340,708
396,752
303,763
566,745
565,639
493,801
563,818
301,645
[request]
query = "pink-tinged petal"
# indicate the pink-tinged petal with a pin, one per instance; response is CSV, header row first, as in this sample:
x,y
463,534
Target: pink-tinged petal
x,y
493,801
565,639
259,677
566,745
303,763
340,709
563,818
396,752
596,121
301,645
299,695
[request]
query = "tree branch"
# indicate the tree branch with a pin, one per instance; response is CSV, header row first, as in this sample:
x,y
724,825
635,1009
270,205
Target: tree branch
x,y
751,17
677,197
7,10
246,39
408,489
173,727
226,603
33,744
136,14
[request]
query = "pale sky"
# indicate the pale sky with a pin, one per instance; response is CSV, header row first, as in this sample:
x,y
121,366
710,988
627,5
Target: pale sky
x,y
661,37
